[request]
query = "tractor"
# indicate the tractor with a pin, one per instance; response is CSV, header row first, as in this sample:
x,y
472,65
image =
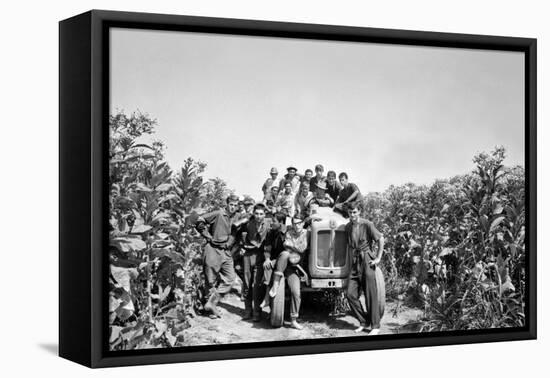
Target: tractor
x,y
326,263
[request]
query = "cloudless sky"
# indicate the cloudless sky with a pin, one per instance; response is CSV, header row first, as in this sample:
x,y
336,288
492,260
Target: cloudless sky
x,y
385,114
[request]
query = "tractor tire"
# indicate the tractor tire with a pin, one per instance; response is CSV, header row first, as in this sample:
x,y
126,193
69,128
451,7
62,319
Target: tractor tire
x,y
277,315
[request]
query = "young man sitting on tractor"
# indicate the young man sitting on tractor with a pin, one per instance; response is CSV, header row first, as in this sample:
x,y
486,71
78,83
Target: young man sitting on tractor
x,y
285,263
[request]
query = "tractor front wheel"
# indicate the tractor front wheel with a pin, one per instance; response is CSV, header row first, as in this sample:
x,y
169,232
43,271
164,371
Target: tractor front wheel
x,y
278,306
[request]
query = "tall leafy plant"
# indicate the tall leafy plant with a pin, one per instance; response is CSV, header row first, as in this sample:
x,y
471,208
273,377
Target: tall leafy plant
x,y
155,257
458,245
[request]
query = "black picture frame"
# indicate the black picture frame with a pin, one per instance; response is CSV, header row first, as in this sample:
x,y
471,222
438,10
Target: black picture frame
x,y
83,165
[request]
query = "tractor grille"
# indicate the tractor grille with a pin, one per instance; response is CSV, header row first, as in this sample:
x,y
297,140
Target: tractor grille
x,y
331,253
323,248
340,250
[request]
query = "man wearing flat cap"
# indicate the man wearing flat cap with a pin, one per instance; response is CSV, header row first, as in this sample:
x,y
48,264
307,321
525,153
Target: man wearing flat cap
x,y
293,177
271,181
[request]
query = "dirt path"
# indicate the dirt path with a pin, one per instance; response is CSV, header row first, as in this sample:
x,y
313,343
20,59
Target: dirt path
x,y
232,329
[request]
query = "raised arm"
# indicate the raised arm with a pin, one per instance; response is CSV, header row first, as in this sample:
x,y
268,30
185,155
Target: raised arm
x,y
353,195
200,222
208,217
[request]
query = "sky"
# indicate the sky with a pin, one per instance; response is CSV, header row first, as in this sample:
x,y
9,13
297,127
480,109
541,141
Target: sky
x,y
385,114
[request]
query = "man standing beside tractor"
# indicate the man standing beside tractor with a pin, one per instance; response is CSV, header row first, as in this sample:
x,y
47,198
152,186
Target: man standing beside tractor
x,y
365,275
256,231
218,268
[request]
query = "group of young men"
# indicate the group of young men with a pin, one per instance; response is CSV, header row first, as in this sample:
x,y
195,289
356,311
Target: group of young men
x,y
268,239
296,193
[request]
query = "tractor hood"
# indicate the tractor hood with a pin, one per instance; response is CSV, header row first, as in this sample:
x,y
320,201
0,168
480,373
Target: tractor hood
x,y
329,219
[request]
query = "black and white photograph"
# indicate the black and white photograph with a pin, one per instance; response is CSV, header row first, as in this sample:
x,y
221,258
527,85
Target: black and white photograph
x,y
306,188
273,189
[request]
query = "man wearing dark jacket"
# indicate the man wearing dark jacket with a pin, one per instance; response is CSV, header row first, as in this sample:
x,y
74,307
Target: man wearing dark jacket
x,y
318,178
365,275
256,231
333,186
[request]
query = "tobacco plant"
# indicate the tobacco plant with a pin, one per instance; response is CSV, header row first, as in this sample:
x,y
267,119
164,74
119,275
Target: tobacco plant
x,y
155,271
458,246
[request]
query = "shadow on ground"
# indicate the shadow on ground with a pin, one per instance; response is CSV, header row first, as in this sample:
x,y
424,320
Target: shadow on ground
x,y
52,348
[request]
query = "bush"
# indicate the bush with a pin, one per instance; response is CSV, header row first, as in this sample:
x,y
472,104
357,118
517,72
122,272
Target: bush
x,y
458,245
155,271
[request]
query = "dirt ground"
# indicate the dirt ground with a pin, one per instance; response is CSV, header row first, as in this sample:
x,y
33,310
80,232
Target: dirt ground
x,y
317,324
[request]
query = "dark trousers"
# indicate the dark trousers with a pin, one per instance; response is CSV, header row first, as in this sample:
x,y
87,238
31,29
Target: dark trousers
x,y
239,270
218,270
253,273
363,279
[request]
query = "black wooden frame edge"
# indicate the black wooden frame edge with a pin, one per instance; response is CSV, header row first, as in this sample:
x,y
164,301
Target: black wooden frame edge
x,y
75,270
313,31
267,351
531,180
89,255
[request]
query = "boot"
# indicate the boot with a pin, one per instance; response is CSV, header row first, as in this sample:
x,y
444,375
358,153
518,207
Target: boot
x,y
257,317
210,306
247,313
275,286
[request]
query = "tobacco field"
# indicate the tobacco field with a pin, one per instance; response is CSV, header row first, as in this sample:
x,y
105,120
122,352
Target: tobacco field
x,y
455,249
